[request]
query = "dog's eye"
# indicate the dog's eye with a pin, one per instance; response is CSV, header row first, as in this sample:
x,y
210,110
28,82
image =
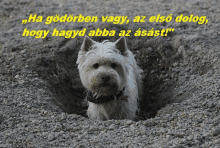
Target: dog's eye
x,y
96,65
113,65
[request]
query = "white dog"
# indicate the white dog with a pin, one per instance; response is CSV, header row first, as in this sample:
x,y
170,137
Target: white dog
x,y
112,78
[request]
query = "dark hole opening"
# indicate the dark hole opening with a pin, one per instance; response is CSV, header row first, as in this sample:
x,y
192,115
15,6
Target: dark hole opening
x,y
154,56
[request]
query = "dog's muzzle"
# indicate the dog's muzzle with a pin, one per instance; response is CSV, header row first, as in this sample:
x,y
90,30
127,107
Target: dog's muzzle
x,y
103,99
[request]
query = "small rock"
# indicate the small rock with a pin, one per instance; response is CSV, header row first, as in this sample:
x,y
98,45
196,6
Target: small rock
x,y
23,51
17,76
195,106
30,137
51,137
216,132
112,126
14,85
180,135
129,122
217,141
211,105
189,138
182,141
197,48
199,120
2,145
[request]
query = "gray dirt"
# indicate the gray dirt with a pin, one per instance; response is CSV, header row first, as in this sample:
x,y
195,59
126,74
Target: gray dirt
x,y
42,99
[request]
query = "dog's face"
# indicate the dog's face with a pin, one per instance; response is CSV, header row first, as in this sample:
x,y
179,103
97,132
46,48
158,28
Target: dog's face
x,y
102,66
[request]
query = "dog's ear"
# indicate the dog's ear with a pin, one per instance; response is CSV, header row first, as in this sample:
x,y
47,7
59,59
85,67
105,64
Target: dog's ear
x,y
87,43
121,45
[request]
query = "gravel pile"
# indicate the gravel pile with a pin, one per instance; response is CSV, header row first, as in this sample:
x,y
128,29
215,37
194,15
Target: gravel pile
x,y
41,97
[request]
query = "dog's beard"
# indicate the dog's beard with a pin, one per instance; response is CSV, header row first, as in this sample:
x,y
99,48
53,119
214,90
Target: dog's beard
x,y
104,89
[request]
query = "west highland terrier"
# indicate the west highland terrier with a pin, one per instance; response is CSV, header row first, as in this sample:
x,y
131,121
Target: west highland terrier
x,y
112,78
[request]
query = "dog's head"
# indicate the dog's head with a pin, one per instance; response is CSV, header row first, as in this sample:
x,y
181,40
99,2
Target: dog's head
x,y
102,66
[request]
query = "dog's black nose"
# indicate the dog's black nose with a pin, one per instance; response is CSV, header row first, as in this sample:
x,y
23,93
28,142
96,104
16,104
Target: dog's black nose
x,y
105,78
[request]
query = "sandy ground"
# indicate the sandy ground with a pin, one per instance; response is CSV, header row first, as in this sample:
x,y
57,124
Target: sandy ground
x,y
42,99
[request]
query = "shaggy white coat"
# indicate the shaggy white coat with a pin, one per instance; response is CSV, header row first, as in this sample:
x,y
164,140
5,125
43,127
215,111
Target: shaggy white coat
x,y
126,75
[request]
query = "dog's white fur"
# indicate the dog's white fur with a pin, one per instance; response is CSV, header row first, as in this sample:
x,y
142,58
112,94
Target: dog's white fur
x,y
125,75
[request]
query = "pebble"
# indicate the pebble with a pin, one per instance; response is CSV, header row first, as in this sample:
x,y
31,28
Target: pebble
x,y
129,122
51,137
216,132
17,76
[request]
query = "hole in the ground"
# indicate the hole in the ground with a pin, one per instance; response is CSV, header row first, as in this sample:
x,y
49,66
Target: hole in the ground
x,y
154,56
157,83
